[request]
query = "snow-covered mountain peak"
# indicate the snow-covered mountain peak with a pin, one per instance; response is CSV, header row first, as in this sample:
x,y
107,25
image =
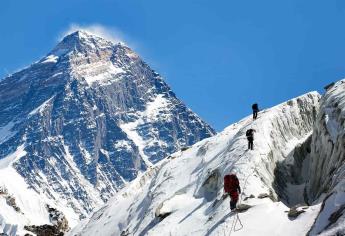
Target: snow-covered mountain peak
x,y
81,41
87,119
93,59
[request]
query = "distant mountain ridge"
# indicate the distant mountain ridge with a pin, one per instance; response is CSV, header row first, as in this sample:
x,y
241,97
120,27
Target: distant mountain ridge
x,y
87,118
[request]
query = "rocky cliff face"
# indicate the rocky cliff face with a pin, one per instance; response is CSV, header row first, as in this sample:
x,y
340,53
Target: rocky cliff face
x,y
87,118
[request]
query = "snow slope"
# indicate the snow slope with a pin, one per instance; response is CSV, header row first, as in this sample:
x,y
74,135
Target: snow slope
x,y
182,195
32,205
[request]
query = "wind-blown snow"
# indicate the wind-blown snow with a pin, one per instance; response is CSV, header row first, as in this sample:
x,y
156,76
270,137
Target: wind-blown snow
x,y
88,186
10,159
6,133
333,127
50,59
154,111
154,108
41,108
99,72
186,189
130,130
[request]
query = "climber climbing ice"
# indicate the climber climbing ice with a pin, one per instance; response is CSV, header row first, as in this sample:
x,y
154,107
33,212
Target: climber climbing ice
x,y
250,138
255,108
232,188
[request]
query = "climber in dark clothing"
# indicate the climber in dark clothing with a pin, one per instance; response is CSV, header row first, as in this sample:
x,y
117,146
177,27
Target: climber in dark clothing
x,y
232,188
255,108
250,138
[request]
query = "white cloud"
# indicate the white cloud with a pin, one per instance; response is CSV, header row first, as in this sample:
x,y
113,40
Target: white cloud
x,y
109,33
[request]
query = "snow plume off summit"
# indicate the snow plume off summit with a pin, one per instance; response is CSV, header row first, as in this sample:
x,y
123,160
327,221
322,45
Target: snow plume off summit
x,y
79,124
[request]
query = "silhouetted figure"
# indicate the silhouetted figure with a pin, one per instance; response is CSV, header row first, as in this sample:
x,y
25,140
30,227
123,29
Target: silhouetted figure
x,y
232,188
255,108
250,138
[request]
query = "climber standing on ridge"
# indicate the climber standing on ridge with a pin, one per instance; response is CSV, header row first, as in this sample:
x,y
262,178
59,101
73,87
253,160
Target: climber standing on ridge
x,y
255,108
232,188
250,138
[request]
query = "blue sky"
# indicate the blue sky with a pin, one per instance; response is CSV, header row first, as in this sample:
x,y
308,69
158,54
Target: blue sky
x,y
218,56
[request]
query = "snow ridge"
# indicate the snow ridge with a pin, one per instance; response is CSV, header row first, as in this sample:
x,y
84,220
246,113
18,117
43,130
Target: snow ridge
x,y
183,194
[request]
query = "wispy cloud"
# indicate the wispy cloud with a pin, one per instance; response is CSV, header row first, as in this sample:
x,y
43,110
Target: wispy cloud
x,y
110,33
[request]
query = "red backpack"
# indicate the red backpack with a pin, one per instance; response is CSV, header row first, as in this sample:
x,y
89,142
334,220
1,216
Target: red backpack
x,y
231,183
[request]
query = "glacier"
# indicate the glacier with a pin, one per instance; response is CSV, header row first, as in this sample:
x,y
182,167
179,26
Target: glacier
x,y
182,195
327,174
293,182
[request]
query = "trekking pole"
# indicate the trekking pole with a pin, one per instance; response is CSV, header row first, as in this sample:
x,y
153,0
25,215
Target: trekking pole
x,y
225,228
238,220
247,178
233,225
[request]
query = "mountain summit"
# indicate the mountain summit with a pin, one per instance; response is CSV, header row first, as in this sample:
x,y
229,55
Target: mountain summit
x,y
82,41
84,120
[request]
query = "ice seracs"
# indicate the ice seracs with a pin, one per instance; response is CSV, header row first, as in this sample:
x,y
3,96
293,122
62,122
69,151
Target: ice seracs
x,y
327,170
183,194
293,180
